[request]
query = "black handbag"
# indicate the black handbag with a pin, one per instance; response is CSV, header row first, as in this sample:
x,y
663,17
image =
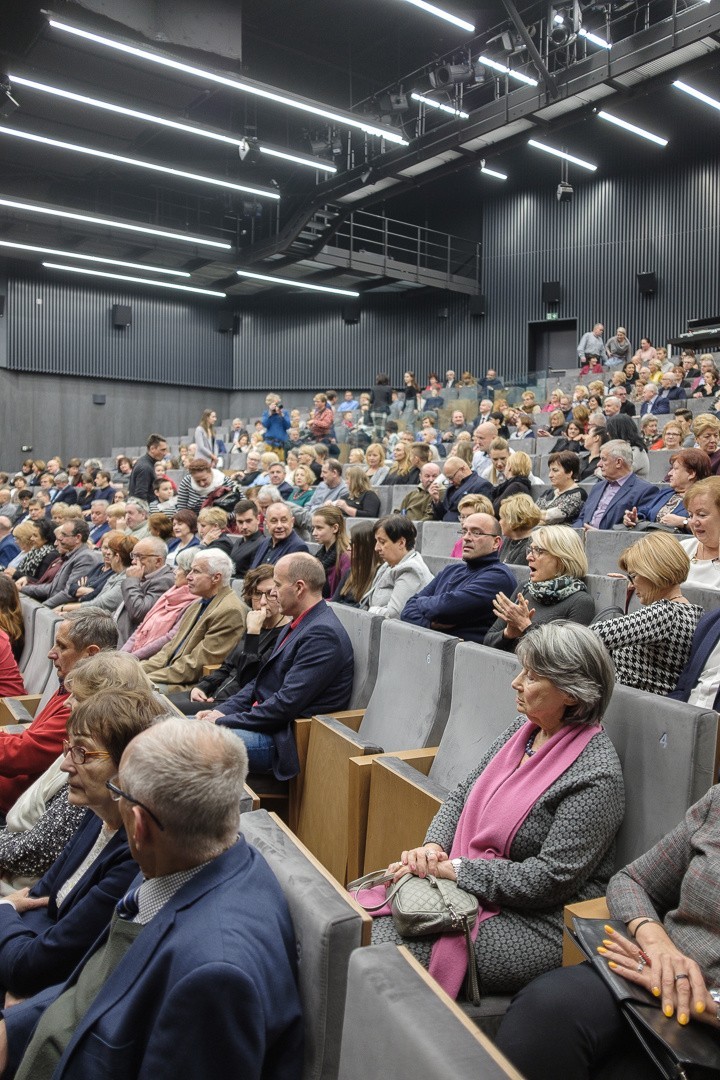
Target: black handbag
x,y
673,1049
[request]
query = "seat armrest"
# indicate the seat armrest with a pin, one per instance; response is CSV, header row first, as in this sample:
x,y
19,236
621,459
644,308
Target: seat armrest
x,y
402,804
352,718
583,909
341,728
16,710
249,800
209,668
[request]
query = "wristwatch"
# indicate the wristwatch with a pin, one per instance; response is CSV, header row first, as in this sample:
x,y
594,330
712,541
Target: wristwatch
x,y
715,995
456,864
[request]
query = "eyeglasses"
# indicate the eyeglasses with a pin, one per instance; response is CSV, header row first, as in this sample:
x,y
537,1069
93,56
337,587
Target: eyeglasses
x,y
534,550
474,532
79,755
631,577
118,794
139,558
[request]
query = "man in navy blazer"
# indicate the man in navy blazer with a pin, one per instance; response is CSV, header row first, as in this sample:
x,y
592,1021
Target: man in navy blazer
x,y
197,973
652,403
282,539
309,671
702,663
619,490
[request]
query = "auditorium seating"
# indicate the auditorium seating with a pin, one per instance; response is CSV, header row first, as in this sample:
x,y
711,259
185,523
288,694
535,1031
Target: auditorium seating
x,y
604,547
398,1020
329,926
38,669
439,538
408,708
363,630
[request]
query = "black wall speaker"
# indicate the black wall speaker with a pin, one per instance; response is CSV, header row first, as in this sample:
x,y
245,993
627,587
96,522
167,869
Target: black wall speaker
x,y
121,315
351,312
551,292
476,306
227,322
2,306
647,283
98,399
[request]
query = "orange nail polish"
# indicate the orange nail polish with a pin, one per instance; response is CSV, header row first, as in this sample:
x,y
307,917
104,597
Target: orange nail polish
x,y
606,942
612,964
683,1018
656,991
668,1010
700,1006
608,929
601,950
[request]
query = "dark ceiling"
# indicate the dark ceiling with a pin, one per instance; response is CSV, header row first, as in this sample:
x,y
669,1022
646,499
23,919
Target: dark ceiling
x,y
334,51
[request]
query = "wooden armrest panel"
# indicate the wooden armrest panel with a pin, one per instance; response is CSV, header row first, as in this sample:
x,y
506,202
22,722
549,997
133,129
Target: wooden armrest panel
x,y
18,710
255,798
209,668
399,813
351,718
584,909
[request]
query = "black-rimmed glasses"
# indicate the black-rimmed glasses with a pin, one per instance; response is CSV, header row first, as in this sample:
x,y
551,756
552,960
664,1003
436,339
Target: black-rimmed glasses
x,y
118,794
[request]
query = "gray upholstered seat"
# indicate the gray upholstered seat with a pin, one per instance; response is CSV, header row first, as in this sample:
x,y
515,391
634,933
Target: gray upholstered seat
x,y
29,610
659,465
353,522
604,547
38,668
607,592
328,924
439,537
363,630
395,1013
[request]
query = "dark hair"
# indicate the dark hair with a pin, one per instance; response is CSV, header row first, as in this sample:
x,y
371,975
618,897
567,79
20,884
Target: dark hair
x,y
363,562
382,379
121,546
243,506
79,528
334,464
421,452
46,528
253,578
568,461
601,432
695,460
622,427
155,440
397,527
11,614
103,472
187,517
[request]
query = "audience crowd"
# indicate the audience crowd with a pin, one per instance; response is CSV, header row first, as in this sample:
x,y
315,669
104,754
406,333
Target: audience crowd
x,y
196,583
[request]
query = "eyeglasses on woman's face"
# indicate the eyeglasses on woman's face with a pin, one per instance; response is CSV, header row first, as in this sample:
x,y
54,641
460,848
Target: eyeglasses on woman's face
x,y
79,755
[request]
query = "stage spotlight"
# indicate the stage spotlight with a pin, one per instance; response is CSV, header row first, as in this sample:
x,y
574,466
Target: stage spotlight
x,y
451,75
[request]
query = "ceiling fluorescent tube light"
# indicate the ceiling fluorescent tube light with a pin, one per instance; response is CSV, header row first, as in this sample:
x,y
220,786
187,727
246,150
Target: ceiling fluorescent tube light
x,y
264,193
151,118
295,284
109,223
440,14
492,172
594,38
291,100
712,102
137,280
507,71
440,105
632,127
562,154
94,258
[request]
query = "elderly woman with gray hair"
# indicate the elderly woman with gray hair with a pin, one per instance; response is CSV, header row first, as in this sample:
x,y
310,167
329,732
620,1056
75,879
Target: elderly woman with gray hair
x,y
533,826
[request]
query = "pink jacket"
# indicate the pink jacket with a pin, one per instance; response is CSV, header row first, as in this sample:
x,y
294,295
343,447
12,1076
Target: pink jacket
x,y
159,624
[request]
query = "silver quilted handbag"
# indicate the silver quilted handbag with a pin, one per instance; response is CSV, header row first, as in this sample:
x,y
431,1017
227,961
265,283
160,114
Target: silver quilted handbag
x,y
429,905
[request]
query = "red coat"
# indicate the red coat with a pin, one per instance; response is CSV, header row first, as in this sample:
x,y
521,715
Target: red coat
x,y
26,756
11,681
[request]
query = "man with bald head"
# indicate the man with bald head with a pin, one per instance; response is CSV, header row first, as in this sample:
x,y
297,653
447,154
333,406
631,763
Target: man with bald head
x,y
461,481
309,671
418,505
483,435
459,600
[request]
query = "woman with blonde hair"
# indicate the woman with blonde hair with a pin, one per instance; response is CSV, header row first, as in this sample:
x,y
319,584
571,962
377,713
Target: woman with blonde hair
x,y
556,589
518,516
116,516
517,479
376,469
303,480
362,500
401,467
650,647
328,530
205,442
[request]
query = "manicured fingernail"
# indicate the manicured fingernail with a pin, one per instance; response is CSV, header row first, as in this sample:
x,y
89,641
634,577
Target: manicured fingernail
x,y
608,929
612,964
683,1018
668,1010
601,950
656,991
700,1006
606,942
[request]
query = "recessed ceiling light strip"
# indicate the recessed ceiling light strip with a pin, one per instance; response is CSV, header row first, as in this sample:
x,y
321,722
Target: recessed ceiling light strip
x,y
441,106
505,70
136,280
259,90
561,154
439,13
492,172
109,223
697,94
295,284
76,148
93,258
633,128
176,125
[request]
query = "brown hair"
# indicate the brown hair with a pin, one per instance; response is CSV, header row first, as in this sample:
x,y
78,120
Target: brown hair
x,y
121,545
253,578
160,525
199,465
11,616
113,720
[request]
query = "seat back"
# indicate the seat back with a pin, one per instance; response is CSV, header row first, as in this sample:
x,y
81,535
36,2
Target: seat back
x,y
667,752
439,537
703,595
386,495
607,592
482,705
363,630
436,563
353,522
29,610
399,491
604,547
38,668
393,1006
659,465
521,572
411,699
329,926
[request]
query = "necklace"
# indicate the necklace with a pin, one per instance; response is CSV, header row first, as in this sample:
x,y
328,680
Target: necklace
x,y
529,745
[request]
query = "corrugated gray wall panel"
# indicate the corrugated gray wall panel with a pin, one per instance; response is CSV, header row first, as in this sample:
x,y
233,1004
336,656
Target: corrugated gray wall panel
x,y
667,222
304,342
67,329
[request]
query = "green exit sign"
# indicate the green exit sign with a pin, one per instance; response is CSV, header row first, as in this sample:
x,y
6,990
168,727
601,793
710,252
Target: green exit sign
x,y
551,315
